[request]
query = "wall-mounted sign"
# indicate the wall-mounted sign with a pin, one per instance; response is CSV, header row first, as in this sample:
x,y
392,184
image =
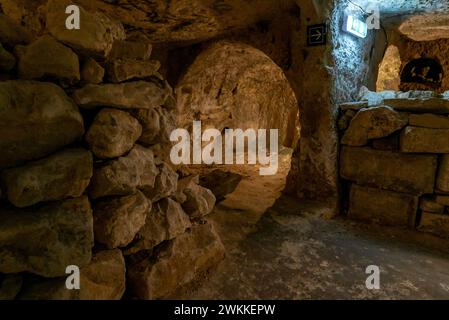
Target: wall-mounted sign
x,y
317,35
355,26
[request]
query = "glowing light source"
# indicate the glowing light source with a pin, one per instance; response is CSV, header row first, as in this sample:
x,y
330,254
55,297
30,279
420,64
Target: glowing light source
x,y
355,26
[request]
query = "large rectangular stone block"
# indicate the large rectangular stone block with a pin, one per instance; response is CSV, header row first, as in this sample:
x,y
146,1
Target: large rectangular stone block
x,y
389,170
437,224
426,105
424,140
429,120
382,207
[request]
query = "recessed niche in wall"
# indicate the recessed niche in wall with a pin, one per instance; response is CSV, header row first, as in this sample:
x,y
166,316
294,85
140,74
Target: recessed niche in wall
x,y
423,71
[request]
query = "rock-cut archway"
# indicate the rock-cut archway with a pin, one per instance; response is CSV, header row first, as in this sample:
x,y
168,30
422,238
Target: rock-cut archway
x,y
234,85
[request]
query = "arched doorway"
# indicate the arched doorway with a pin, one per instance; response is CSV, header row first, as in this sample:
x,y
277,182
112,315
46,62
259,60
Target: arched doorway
x,y
232,85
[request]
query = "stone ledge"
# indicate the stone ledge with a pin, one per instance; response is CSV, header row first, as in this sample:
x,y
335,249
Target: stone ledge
x,y
428,105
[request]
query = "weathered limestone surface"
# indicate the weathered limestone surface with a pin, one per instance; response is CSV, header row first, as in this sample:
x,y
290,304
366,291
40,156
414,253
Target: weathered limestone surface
x,y
420,105
165,184
48,57
12,33
187,20
373,123
424,140
123,70
389,170
389,76
45,240
129,95
36,119
157,124
113,133
196,200
429,120
125,175
426,26
437,224
383,207
234,85
62,175
431,205
443,200
166,221
96,35
443,174
117,220
184,258
92,72
136,50
102,279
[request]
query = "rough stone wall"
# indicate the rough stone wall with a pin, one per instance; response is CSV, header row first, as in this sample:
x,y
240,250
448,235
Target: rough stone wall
x,y
332,74
313,173
394,159
389,77
85,180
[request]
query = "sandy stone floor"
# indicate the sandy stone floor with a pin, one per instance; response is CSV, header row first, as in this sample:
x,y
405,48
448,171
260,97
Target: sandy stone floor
x,y
283,249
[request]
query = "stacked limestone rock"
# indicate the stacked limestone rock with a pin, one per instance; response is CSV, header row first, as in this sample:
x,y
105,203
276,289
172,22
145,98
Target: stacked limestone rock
x,y
85,178
395,157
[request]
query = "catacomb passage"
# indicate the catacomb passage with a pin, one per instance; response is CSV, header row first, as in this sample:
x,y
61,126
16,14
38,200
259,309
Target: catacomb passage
x,y
106,194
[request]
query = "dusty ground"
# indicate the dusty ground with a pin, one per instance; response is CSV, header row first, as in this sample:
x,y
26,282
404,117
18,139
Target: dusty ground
x,y
286,250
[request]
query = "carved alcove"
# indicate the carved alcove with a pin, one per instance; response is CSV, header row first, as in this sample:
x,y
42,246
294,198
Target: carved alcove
x,y
422,73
